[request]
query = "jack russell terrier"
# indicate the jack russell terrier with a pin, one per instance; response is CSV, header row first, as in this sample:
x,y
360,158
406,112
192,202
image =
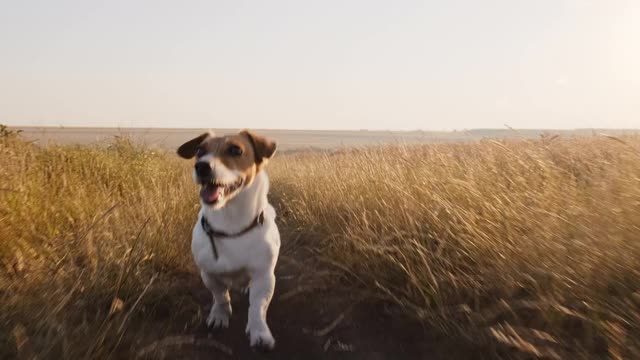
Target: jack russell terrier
x,y
235,241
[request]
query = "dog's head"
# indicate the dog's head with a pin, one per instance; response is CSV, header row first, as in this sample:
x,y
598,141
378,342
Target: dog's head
x,y
225,165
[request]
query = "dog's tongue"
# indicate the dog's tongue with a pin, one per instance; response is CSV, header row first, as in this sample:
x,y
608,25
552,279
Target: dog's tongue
x,y
211,193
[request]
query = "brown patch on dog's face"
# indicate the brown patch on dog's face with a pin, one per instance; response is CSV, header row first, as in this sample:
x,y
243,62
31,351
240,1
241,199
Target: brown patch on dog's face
x,y
233,162
235,152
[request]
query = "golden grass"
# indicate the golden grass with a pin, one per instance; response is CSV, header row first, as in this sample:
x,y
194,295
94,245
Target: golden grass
x,y
468,236
81,227
531,244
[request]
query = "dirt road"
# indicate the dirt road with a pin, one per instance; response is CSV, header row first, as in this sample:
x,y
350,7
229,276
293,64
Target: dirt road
x,y
307,324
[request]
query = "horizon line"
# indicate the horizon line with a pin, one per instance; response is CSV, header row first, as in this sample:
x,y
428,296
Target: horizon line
x,y
506,128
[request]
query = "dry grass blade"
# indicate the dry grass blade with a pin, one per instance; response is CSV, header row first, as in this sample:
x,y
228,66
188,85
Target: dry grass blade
x,y
135,304
333,324
182,340
97,221
121,328
23,346
297,291
126,269
65,300
530,341
617,139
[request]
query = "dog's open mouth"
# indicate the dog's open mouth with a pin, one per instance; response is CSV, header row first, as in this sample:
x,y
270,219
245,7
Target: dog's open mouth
x,y
214,191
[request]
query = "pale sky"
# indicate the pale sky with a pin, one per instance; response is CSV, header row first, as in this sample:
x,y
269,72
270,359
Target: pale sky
x,y
348,64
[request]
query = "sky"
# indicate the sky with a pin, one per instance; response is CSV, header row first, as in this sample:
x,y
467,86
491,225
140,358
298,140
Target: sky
x,y
331,64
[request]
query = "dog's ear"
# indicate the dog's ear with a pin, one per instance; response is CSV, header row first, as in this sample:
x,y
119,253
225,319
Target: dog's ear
x,y
189,149
262,147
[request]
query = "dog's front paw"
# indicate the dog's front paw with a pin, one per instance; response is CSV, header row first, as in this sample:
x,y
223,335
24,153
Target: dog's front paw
x,y
219,316
260,337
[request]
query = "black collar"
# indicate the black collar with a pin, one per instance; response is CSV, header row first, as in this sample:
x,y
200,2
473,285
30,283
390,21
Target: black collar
x,y
213,233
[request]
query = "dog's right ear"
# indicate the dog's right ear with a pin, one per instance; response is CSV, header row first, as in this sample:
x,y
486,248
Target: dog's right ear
x,y
188,150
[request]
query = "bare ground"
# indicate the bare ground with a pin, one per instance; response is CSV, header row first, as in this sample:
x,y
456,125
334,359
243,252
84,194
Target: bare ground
x,y
307,322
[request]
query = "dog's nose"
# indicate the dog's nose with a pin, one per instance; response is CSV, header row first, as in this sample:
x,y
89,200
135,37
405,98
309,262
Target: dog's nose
x,y
203,169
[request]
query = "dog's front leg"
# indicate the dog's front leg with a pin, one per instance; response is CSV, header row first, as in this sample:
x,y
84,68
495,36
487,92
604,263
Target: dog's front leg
x,y
221,308
260,292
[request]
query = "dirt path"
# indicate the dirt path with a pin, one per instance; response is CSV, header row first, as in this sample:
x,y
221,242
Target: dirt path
x,y
310,324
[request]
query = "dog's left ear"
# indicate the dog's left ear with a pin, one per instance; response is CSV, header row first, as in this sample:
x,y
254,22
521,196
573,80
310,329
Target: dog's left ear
x,y
189,149
262,147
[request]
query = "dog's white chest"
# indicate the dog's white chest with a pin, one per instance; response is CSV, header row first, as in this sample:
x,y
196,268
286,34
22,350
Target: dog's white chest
x,y
257,249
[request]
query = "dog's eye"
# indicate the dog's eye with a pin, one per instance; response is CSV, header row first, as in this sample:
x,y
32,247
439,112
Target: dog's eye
x,y
200,152
234,150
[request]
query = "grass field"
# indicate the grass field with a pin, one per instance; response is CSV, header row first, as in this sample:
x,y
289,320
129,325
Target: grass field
x,y
531,245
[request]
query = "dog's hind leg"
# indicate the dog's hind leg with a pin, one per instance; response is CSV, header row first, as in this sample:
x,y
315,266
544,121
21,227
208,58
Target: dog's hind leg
x,y
260,293
221,308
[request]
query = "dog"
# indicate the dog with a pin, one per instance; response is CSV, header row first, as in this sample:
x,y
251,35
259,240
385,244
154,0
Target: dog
x,y
235,241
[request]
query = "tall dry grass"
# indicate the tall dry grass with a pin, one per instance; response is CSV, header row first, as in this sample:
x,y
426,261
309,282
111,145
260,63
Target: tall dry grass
x,y
83,231
532,244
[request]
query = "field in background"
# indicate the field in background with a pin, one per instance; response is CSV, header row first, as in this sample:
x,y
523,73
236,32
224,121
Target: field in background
x,y
288,140
529,244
